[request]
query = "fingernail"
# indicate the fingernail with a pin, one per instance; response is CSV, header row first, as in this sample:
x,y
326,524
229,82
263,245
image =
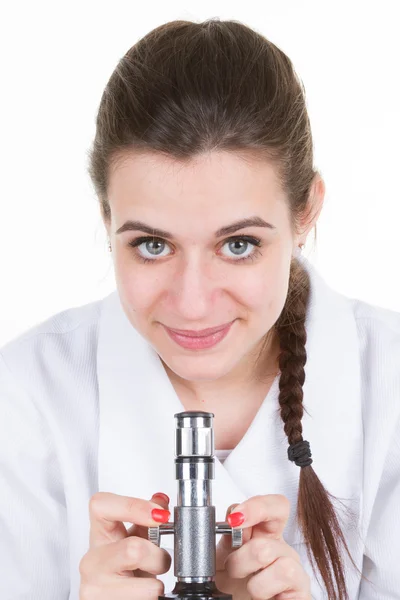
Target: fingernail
x,y
163,495
235,519
160,515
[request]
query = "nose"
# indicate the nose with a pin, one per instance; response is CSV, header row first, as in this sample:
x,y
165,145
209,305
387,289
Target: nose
x,y
195,288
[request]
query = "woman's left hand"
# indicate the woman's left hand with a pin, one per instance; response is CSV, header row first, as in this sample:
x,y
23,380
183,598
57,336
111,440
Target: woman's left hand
x,y
265,566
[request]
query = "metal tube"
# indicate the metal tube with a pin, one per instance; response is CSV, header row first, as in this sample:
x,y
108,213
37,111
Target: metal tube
x,y
194,515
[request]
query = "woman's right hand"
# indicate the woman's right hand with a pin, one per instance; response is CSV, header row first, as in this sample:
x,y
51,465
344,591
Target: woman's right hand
x,y
122,564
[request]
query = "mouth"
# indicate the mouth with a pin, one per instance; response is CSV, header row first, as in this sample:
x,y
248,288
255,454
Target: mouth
x,y
200,332
200,342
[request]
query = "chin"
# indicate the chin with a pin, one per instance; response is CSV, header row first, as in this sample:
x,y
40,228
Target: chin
x,y
200,368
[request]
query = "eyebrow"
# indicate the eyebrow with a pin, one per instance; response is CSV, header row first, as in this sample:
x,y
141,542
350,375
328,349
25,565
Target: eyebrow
x,y
250,222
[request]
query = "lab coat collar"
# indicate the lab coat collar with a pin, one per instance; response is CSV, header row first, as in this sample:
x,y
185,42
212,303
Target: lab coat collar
x,y
137,403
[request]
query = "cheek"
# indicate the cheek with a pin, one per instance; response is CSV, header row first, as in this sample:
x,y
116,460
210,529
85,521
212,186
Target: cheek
x,y
140,288
264,291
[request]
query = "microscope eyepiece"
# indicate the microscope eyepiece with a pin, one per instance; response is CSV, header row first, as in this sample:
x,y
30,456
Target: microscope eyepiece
x,y
194,434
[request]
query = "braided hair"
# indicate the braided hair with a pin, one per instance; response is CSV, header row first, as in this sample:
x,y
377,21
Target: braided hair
x,y
315,512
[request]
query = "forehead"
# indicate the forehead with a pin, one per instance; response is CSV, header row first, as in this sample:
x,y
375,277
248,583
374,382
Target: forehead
x,y
215,180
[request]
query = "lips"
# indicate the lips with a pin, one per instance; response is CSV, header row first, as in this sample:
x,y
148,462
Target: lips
x,y
200,333
200,342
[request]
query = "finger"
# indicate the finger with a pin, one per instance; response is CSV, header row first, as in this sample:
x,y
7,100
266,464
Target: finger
x,y
269,512
140,530
149,589
224,546
108,512
122,557
257,554
284,575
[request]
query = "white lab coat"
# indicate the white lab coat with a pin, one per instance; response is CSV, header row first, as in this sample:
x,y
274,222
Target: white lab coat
x,y
86,405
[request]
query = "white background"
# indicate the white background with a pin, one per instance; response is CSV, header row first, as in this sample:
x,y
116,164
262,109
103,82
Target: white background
x,y
56,58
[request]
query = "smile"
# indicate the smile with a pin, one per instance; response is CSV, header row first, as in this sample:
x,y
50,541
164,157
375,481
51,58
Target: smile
x,y
194,341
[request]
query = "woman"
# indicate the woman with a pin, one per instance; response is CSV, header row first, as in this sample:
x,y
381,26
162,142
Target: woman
x,y
203,166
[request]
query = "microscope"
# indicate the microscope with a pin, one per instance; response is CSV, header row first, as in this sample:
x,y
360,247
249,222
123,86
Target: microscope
x,y
194,526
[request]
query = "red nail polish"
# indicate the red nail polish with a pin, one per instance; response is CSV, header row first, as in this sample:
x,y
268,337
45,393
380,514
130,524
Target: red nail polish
x,y
160,515
235,519
163,495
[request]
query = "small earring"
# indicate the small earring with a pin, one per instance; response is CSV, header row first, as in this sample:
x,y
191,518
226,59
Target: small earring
x,y
298,250
109,245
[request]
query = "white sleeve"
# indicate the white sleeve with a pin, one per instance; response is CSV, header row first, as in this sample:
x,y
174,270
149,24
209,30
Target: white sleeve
x,y
34,555
381,564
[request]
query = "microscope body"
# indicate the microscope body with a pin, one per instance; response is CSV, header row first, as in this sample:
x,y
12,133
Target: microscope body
x,y
194,526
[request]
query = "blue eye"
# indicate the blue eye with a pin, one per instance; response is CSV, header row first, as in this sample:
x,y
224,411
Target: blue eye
x,y
237,242
148,242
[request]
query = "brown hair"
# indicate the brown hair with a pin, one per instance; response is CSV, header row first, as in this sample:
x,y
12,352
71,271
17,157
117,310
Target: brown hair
x,y
188,88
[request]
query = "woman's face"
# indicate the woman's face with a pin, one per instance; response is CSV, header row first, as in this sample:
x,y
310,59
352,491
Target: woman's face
x,y
192,278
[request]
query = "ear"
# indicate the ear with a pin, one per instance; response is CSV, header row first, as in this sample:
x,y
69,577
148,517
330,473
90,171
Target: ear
x,y
313,209
106,218
107,226
318,195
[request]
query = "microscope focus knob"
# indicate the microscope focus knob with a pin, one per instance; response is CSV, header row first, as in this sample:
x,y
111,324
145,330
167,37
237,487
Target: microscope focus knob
x,y
154,533
236,533
237,538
